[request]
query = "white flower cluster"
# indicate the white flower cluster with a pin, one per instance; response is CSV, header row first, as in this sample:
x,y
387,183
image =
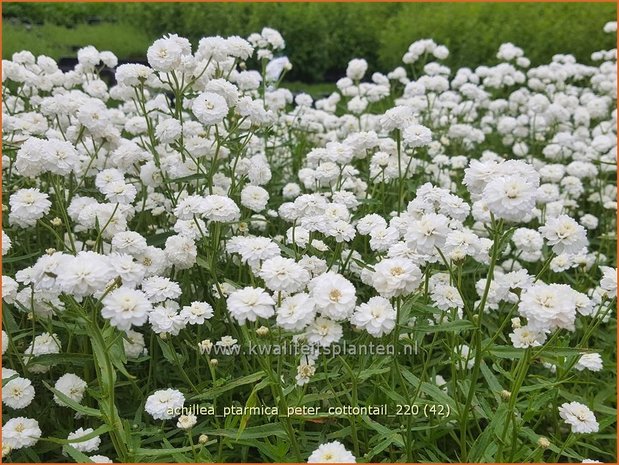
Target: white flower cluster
x,y
195,193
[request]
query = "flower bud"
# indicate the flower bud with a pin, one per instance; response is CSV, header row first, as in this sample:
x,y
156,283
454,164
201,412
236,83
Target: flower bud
x,y
543,442
262,331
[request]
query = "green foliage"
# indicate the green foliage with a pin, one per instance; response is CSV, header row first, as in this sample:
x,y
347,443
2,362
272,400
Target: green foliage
x,y
65,14
58,41
473,32
321,38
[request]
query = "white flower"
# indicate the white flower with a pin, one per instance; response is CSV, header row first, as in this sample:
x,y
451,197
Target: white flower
x,y
9,291
165,319
129,271
126,307
18,393
181,251
153,260
331,452
510,197
254,197
168,131
298,235
284,274
609,281
5,338
210,108
334,296
589,221
296,312
221,209
6,243
356,69
416,135
579,417
394,277
591,361
87,445
377,316
383,238
43,344
129,242
20,432
305,370
441,52
524,337
564,234
324,332
166,53
212,48
187,421
28,206
273,38
134,344
164,404
548,307
446,297
88,56
197,313
396,118
85,274
227,343
369,223
71,386
159,289
428,232
291,191
205,346
253,250
131,74
249,304
100,459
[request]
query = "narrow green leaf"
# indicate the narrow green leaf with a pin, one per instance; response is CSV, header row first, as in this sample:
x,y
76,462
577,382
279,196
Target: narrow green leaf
x,y
91,412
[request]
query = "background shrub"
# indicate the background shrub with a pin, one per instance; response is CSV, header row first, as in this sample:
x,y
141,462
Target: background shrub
x,y
321,37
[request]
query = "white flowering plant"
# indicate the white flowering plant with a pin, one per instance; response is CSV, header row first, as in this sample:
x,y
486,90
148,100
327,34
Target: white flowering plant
x,y
200,266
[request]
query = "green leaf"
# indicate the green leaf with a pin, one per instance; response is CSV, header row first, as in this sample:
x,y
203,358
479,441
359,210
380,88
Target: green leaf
x,y
191,177
452,326
20,258
117,351
217,391
91,412
370,372
98,432
5,381
58,359
158,239
492,380
384,432
252,400
159,452
168,353
513,353
201,262
76,454
254,432
177,456
435,393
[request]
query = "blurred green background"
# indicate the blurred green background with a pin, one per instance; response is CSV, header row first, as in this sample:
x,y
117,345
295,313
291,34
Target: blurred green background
x,y
320,37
